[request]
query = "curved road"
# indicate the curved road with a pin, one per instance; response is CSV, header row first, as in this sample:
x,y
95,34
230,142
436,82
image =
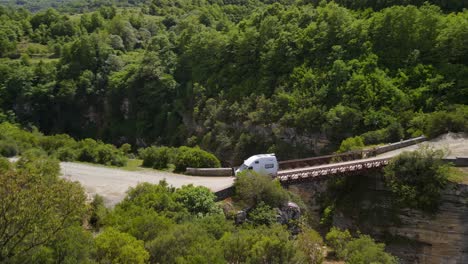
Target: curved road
x,y
112,183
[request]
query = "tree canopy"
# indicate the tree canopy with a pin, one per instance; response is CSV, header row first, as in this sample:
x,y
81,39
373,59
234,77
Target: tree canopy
x,y
238,77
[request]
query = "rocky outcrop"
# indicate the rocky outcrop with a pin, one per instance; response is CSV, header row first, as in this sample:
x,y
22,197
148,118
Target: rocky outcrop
x,y
439,238
415,236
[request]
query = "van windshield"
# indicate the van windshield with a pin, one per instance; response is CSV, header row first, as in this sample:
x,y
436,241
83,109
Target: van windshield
x,y
243,167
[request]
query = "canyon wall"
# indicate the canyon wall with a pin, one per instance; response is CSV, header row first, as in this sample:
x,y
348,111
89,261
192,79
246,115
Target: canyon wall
x,y
414,236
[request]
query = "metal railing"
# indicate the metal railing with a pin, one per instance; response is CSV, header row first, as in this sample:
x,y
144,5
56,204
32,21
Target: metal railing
x,y
349,168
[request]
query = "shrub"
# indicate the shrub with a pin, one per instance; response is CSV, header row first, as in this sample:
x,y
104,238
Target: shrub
x,y
198,200
23,139
393,133
126,148
441,122
374,137
4,165
105,154
365,250
52,143
8,148
349,144
262,214
113,246
195,158
66,154
155,157
98,152
338,240
98,211
88,150
252,188
417,178
310,243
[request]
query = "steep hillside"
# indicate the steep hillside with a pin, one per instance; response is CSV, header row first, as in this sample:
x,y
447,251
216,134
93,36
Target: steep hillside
x,y
237,77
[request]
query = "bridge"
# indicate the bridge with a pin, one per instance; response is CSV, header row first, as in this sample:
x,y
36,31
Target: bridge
x,y
323,171
348,163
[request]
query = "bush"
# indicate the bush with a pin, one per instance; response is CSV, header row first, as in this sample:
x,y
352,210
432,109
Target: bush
x,y
98,211
357,250
109,155
198,200
365,250
113,246
126,148
53,143
155,157
350,144
98,152
195,158
338,240
252,188
4,165
374,137
441,122
66,154
262,214
23,139
393,133
88,150
417,178
310,243
8,148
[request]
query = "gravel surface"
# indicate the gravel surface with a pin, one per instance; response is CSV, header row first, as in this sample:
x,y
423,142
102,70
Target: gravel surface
x,y
456,144
112,183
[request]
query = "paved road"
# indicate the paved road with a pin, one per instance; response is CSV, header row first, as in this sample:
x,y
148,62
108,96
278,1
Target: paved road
x,y
113,183
455,144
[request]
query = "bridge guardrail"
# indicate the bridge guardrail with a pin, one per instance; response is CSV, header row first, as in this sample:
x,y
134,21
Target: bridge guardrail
x,y
339,169
347,156
210,172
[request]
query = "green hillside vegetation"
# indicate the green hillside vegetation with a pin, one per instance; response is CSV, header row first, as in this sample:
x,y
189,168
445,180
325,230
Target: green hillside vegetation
x,y
237,77
45,219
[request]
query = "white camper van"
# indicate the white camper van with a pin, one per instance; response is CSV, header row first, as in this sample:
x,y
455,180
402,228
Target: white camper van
x,y
262,163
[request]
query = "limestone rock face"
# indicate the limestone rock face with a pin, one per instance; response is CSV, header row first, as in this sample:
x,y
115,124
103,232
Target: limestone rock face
x,y
442,238
417,237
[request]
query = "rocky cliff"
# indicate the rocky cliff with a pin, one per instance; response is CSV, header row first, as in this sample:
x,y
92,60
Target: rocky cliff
x,y
414,236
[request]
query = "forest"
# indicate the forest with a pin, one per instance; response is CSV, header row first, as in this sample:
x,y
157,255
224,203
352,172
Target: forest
x,y
47,219
209,83
237,78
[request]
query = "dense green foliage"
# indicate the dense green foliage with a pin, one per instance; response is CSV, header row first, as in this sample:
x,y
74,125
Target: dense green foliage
x,y
15,141
253,189
186,226
40,214
236,77
113,246
350,144
360,250
155,157
417,178
181,158
43,218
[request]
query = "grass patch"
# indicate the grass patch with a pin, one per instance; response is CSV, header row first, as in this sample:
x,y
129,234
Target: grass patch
x,y
133,165
458,175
